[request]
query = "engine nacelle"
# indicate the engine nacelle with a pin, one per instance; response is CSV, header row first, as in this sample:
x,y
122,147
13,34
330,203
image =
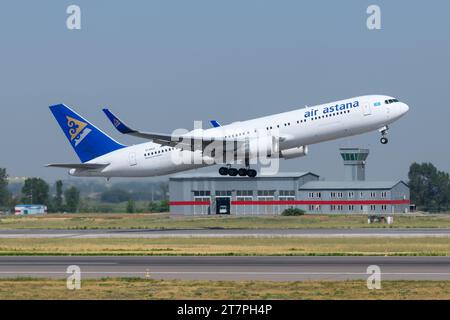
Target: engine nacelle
x,y
294,152
262,146
265,146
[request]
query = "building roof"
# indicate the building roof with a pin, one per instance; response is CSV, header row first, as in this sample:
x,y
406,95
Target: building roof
x,y
215,175
29,205
347,185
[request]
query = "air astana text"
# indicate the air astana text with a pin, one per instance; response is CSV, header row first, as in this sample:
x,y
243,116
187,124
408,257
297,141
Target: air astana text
x,y
331,109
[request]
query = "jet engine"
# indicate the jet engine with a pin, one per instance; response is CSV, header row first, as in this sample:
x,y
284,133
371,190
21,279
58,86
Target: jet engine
x,y
294,152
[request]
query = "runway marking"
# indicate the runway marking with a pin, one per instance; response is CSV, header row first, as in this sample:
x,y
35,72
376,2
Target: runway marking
x,y
58,263
232,273
244,235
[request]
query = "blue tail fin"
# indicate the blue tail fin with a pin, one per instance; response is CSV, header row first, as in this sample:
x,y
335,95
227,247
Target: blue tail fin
x,y
87,140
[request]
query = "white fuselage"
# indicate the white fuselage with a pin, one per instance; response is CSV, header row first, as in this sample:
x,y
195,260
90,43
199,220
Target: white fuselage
x,y
297,128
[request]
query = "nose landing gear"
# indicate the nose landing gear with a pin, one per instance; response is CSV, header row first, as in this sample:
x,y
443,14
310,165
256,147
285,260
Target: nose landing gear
x,y
383,132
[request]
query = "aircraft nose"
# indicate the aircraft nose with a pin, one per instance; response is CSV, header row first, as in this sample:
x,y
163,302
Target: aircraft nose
x,y
404,108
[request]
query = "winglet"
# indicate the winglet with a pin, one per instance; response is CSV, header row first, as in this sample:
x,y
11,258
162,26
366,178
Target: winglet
x,y
118,124
214,123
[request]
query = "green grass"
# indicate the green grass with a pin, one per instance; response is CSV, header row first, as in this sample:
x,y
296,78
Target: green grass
x,y
229,246
165,221
135,288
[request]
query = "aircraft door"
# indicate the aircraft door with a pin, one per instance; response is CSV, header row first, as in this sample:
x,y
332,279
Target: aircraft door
x,y
132,159
367,109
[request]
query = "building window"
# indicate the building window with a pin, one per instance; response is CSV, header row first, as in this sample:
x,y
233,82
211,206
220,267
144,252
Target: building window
x,y
223,193
333,194
372,207
318,195
244,193
266,192
202,193
340,194
351,207
351,194
373,194
383,194
384,207
287,192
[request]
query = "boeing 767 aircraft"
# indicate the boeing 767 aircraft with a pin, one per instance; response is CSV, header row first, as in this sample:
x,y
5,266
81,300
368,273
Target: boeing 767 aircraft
x,y
283,135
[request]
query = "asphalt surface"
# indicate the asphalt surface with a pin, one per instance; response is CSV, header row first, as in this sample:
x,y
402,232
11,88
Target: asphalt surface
x,y
211,233
230,268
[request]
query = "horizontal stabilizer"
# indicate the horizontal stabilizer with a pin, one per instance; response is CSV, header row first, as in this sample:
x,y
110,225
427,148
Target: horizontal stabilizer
x,y
86,166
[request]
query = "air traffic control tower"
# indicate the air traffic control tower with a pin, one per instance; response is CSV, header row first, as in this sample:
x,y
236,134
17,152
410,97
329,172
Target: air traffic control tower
x,y
354,163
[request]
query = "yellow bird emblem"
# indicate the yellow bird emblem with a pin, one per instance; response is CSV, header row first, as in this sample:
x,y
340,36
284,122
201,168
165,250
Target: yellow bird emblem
x,y
75,127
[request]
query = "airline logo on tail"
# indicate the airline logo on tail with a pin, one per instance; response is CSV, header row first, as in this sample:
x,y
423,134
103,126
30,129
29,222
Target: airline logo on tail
x,y
116,123
77,130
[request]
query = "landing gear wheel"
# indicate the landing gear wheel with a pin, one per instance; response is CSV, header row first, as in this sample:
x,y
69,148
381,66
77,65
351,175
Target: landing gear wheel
x,y
232,172
384,140
223,171
242,172
251,173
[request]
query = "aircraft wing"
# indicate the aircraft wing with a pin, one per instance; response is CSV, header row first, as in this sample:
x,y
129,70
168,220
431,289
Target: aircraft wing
x,y
78,165
181,141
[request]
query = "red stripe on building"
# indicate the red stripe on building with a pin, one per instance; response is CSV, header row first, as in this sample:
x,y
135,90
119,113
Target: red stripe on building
x,y
320,202
189,203
296,202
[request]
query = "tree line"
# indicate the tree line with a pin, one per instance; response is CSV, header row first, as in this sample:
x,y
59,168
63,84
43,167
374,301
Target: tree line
x,y
429,191
37,191
429,187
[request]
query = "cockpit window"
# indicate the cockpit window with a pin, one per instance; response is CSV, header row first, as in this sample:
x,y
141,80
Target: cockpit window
x,y
390,101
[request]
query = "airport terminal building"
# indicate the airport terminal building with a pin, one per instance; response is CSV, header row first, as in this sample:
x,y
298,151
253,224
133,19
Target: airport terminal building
x,y
203,194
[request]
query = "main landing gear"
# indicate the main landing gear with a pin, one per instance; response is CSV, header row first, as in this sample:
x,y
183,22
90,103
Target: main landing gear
x,y
233,172
383,132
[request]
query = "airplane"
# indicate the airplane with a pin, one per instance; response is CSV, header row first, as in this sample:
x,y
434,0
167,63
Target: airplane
x,y
284,135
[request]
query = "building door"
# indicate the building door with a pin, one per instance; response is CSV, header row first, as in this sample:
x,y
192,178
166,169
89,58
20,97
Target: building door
x,y
223,205
202,209
132,159
265,208
283,207
244,209
367,110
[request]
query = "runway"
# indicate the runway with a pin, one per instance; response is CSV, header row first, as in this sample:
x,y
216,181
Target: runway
x,y
211,233
217,233
229,268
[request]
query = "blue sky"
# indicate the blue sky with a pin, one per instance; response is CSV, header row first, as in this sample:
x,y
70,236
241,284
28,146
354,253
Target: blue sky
x,y
163,64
